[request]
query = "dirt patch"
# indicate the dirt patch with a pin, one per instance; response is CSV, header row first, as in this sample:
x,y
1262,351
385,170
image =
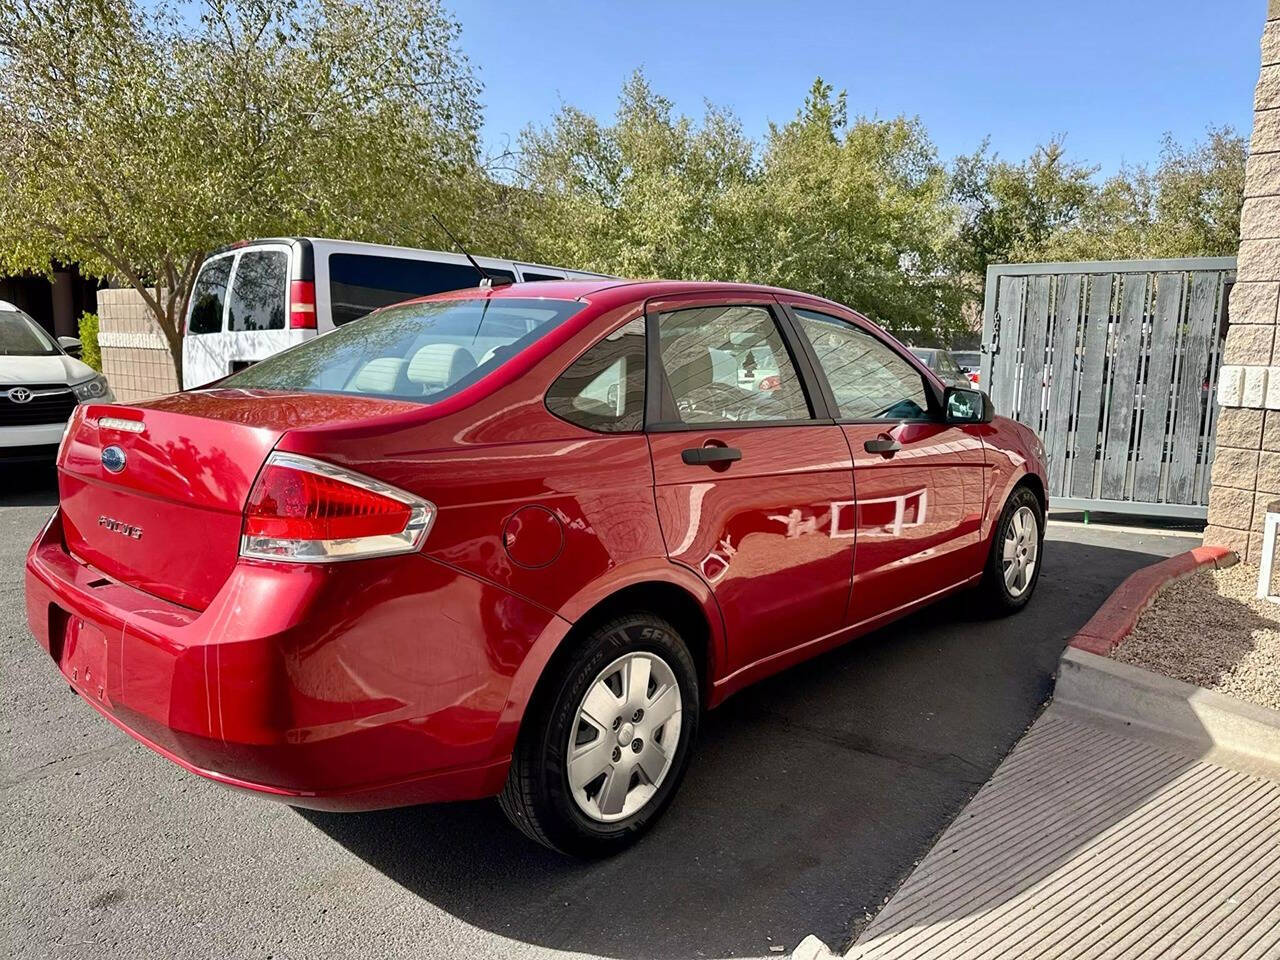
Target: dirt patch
x,y
1210,630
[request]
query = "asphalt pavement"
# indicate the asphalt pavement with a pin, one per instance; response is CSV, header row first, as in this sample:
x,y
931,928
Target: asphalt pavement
x,y
810,799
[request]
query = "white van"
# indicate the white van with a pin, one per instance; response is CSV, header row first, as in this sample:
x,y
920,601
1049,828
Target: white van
x,y
256,298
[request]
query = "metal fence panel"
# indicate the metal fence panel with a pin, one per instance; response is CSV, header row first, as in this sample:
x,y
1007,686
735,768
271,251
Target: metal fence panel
x,y
1113,363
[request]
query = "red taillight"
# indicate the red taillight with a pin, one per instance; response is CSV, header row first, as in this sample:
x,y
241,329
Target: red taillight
x,y
302,305
306,510
293,505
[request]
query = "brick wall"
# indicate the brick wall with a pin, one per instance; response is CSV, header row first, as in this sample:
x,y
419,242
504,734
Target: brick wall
x,y
1246,467
135,357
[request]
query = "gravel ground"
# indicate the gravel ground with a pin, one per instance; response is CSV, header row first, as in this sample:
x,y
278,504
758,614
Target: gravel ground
x,y
1209,629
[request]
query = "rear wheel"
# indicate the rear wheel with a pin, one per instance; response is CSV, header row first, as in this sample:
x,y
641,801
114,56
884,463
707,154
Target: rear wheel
x,y
1013,565
605,747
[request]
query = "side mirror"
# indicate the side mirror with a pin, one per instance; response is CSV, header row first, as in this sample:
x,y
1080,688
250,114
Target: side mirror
x,y
71,345
962,405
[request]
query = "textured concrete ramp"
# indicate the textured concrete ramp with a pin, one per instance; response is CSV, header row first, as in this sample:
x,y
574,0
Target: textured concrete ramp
x,y
1090,844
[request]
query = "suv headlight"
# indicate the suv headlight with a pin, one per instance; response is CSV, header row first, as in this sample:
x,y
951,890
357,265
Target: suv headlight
x,y
95,388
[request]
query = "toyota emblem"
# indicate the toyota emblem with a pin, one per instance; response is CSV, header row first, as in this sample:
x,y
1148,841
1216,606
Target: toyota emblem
x,y
19,395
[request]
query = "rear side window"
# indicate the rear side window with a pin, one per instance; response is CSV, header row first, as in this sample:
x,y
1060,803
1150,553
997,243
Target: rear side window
x,y
420,351
870,380
359,283
207,296
604,388
530,276
258,291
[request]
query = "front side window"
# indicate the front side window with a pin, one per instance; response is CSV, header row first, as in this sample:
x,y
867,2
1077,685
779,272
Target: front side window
x,y
20,336
604,388
419,351
359,283
259,290
870,380
728,364
208,296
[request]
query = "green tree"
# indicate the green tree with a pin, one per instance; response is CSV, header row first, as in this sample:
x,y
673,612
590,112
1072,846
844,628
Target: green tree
x,y
1010,212
134,141
1052,208
646,196
858,211
1188,206
855,211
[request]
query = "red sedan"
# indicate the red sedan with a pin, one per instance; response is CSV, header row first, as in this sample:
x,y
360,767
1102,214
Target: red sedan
x,y
515,541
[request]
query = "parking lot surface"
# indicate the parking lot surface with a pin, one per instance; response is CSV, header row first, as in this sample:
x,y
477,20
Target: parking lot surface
x,y
811,797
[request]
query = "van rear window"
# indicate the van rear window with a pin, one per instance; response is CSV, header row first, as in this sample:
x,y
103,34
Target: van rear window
x,y
259,290
420,351
207,296
359,283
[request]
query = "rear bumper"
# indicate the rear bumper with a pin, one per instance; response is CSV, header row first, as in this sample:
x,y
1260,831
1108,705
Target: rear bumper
x,y
357,686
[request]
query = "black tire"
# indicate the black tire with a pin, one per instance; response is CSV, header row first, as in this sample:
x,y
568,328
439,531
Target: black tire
x,y
994,591
537,797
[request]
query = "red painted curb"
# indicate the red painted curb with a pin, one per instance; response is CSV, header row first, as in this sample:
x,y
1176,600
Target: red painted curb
x,y
1119,614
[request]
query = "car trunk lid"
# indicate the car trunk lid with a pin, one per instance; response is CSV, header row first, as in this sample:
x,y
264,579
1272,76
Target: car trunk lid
x,y
153,495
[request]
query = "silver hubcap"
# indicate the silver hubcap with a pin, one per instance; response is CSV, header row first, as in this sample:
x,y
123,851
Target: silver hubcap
x,y
1021,549
625,737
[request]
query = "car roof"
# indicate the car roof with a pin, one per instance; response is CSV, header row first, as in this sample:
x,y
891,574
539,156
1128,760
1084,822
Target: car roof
x,y
610,292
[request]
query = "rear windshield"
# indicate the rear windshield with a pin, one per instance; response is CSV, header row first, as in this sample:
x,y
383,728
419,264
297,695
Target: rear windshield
x,y
420,351
20,336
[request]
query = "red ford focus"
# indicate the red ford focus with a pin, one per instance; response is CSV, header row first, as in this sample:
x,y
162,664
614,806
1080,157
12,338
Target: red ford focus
x,y
515,541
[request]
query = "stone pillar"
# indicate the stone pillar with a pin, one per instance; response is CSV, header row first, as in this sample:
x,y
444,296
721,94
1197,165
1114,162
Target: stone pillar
x,y
1246,467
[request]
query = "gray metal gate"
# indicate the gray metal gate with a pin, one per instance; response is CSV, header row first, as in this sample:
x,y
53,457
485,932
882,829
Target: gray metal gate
x,y
1113,364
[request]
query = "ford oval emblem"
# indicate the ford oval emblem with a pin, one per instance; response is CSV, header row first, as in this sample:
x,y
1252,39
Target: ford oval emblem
x,y
113,458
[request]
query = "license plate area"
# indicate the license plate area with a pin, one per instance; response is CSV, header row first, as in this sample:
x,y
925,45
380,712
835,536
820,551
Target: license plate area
x,y
84,659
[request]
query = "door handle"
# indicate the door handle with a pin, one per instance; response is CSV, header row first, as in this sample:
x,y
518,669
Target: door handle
x,y
882,445
698,455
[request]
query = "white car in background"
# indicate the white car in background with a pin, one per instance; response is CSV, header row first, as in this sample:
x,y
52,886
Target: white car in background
x,y
40,384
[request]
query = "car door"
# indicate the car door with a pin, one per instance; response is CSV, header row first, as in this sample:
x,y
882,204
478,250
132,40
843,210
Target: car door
x,y
918,481
748,474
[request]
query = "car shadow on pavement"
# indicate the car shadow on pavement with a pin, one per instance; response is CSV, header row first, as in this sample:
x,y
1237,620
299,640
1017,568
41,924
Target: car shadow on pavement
x,y
28,485
810,798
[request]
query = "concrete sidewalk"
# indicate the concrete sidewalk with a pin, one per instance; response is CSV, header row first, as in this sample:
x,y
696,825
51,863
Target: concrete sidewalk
x,y
1087,843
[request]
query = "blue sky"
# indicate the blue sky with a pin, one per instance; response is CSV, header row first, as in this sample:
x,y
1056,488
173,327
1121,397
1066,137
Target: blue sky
x,y
1111,76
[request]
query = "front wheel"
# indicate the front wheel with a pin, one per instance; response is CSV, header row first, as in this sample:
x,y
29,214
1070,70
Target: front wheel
x,y
605,747
1013,565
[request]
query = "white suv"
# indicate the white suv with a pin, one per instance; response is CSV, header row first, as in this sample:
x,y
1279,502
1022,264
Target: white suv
x,y
40,384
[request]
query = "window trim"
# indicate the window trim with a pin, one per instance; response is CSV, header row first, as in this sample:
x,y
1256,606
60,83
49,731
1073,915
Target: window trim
x,y
658,389
933,390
